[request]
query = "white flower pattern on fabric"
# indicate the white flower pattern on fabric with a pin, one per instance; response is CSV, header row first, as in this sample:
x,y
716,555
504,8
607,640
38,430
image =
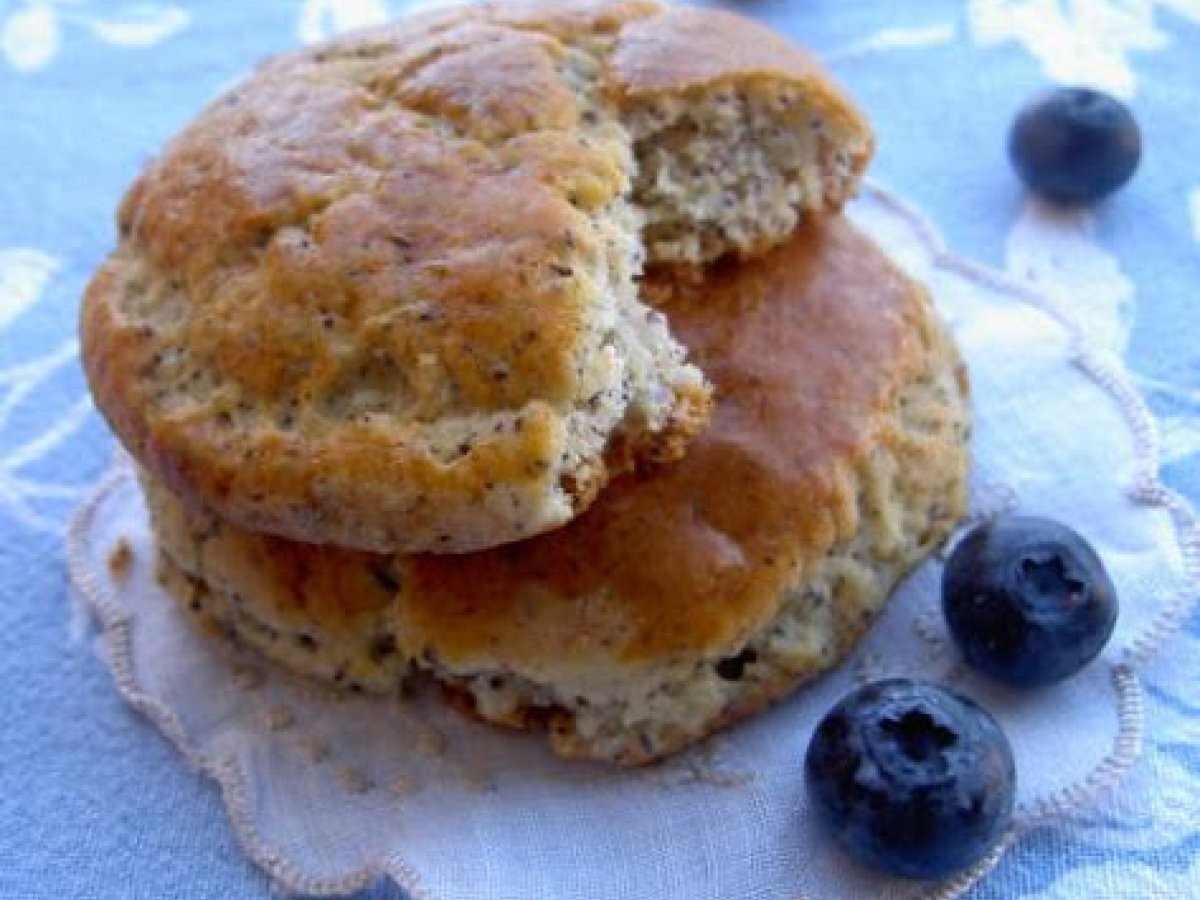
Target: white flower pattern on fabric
x,y
320,19
1153,882
424,5
31,36
1052,248
1194,206
1180,438
1079,41
895,38
142,25
24,275
21,496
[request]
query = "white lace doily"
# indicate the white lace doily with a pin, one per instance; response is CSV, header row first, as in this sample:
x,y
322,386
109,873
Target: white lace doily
x,y
328,793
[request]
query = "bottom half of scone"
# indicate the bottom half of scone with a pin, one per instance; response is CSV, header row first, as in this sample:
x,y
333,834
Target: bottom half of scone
x,y
687,597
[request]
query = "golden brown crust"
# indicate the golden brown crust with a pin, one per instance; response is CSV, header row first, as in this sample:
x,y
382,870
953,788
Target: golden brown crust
x,y
282,462
835,462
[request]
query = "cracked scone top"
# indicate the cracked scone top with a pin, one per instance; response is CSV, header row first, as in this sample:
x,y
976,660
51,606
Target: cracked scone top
x,y
384,294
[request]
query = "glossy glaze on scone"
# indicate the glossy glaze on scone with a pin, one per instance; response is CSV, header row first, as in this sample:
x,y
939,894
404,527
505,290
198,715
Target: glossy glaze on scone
x,y
689,597
383,295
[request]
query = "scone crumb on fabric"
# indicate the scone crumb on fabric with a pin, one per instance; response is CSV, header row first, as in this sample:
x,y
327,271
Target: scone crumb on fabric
x,y
404,786
248,678
429,742
120,559
279,718
354,780
474,780
314,751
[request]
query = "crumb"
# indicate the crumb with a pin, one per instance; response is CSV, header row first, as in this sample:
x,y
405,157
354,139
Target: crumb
x,y
248,678
354,780
280,719
722,779
430,743
314,751
866,667
404,786
925,625
120,559
475,781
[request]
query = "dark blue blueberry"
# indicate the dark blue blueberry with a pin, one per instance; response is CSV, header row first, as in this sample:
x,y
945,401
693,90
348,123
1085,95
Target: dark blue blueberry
x,y
1075,145
1027,600
911,778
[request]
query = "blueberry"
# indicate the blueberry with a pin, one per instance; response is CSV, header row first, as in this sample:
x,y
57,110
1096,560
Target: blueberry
x,y
911,778
1075,145
1027,600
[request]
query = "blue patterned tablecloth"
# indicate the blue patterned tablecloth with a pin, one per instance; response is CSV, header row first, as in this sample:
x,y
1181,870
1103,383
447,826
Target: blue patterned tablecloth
x,y
94,803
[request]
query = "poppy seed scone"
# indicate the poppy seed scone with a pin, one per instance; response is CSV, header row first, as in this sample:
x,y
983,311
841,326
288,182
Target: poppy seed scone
x,y
383,294
319,610
689,596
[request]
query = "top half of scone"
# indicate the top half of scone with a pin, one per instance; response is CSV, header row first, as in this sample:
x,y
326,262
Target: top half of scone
x,y
384,293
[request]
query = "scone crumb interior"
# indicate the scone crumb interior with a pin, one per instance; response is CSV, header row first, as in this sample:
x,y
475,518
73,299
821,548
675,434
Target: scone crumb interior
x,y
728,169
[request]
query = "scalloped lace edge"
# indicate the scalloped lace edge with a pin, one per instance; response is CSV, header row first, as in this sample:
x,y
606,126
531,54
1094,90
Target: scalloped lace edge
x,y
1147,489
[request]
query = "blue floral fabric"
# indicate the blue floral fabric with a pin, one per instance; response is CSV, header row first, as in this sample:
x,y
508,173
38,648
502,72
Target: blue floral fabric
x,y
93,801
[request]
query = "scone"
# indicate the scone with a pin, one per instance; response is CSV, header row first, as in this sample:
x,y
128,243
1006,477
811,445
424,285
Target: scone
x,y
383,295
688,597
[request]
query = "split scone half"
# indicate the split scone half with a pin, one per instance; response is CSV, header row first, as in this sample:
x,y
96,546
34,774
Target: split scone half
x,y
384,294
687,597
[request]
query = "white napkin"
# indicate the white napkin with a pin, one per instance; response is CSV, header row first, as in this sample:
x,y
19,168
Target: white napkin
x,y
329,793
